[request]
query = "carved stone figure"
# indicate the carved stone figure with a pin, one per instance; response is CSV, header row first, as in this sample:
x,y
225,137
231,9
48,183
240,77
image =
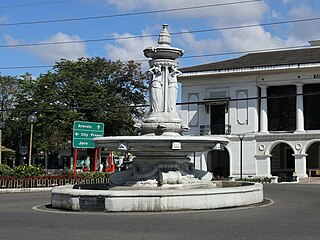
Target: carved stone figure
x,y
155,91
172,89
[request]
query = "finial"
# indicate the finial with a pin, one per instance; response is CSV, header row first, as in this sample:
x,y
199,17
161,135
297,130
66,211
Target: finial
x,y
164,37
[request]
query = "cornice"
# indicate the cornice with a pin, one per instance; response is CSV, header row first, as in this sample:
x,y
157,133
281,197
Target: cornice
x,y
286,136
250,69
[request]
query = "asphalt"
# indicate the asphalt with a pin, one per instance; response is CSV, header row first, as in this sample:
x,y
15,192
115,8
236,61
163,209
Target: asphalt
x,y
294,213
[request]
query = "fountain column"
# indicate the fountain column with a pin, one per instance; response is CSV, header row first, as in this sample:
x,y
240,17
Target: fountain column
x,y
162,116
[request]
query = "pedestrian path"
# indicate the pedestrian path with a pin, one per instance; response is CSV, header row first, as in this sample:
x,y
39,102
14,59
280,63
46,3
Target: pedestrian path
x,y
312,180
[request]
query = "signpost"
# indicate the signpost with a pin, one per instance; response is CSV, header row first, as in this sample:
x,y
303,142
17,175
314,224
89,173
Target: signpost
x,y
83,133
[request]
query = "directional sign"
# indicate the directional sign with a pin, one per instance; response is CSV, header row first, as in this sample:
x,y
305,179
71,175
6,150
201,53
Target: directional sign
x,y
84,132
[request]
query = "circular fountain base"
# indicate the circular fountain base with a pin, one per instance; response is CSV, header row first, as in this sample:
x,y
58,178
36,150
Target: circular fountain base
x,y
169,197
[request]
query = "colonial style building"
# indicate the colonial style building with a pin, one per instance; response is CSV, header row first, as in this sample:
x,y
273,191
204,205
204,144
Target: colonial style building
x,y
267,104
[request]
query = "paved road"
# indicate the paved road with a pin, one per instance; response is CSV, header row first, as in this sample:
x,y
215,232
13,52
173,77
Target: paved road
x,y
295,214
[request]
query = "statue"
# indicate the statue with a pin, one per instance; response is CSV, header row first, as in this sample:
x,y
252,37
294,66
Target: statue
x,y
163,87
173,89
155,91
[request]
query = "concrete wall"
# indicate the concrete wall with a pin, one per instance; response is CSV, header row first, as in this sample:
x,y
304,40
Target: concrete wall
x,y
243,116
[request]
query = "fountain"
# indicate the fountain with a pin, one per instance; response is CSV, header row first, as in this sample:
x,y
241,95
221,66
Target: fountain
x,y
162,178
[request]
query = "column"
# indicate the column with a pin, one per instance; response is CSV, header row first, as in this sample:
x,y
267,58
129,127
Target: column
x,y
263,110
300,165
299,109
263,166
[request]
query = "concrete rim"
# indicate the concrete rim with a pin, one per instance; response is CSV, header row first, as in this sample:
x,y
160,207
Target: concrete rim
x,y
144,200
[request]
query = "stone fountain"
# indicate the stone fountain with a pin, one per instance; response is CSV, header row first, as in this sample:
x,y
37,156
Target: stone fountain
x,y
162,176
161,152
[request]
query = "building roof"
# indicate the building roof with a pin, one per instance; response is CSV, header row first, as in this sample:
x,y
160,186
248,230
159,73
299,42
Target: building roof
x,y
262,59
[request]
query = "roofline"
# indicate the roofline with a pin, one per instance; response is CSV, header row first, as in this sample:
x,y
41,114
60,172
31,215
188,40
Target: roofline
x,y
250,69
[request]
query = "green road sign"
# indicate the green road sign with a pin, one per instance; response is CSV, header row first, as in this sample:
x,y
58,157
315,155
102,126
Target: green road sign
x,y
84,132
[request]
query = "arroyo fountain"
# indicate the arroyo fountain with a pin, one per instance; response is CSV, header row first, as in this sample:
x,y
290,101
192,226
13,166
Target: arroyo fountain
x,y
162,178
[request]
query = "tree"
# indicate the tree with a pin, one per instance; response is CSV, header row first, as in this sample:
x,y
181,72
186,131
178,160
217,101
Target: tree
x,y
89,89
17,109
9,91
8,88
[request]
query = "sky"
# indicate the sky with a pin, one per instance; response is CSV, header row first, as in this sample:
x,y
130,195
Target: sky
x,y
218,28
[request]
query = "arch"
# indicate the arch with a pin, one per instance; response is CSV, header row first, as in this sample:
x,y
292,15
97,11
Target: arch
x,y
219,163
282,161
307,145
275,143
313,156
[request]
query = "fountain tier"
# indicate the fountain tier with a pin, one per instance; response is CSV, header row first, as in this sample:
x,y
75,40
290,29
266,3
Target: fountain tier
x,y
161,157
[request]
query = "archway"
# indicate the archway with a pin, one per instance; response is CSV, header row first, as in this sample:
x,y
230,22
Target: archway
x,y
313,158
219,163
282,161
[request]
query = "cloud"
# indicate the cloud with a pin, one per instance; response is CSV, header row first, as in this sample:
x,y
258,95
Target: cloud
x,y
131,49
3,19
192,45
49,54
231,13
52,53
304,31
10,40
245,39
286,1
214,17
256,38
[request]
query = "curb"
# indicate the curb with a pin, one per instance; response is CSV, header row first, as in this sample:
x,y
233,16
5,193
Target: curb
x,y
22,190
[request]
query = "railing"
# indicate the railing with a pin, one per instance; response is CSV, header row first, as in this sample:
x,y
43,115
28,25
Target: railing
x,y
43,182
216,129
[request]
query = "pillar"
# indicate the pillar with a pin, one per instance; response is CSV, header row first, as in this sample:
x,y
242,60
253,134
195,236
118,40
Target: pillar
x,y
263,166
299,109
263,110
300,165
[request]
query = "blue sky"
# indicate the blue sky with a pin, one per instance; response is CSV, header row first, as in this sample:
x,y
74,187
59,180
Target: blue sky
x,y
212,42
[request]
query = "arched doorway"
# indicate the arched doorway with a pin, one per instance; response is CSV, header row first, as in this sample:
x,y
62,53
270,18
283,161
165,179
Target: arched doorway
x,y
219,163
313,158
282,161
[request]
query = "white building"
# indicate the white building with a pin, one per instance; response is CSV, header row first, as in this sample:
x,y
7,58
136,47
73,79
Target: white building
x,y
267,104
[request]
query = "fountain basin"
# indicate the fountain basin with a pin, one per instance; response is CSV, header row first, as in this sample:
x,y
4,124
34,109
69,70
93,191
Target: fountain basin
x,y
155,156
168,197
163,52
171,144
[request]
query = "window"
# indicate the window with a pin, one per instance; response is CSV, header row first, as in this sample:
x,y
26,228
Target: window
x,y
311,106
281,108
217,116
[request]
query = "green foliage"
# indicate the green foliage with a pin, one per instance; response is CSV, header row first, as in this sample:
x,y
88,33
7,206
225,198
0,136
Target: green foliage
x,y
67,172
96,90
88,89
29,171
5,170
24,171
